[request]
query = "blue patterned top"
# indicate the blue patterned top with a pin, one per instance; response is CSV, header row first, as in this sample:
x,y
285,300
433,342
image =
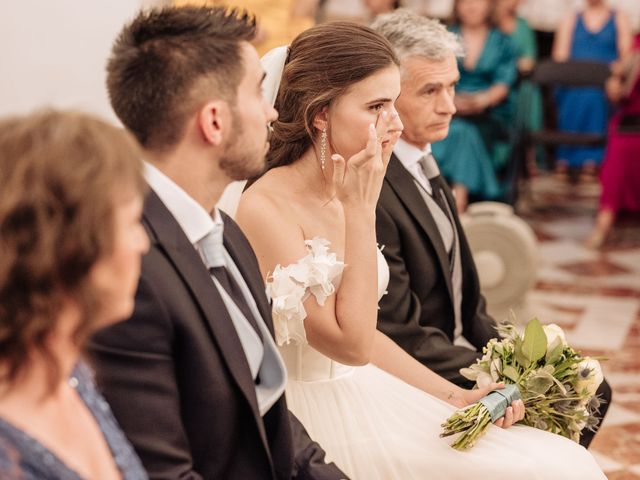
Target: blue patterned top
x,y
23,457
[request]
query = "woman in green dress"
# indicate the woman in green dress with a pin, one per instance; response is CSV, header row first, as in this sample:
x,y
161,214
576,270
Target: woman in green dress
x,y
528,103
484,104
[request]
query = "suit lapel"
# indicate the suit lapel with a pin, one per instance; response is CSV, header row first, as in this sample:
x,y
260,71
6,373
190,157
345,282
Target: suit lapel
x,y
238,247
169,237
403,184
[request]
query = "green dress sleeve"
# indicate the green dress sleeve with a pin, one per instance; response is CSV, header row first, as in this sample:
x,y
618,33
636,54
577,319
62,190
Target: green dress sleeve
x,y
505,71
524,40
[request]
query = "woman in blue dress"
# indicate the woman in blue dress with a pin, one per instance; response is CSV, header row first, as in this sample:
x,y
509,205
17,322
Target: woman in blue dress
x,y
71,243
599,34
479,137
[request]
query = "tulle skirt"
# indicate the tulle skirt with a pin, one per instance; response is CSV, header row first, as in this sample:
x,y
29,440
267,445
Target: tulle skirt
x,y
376,427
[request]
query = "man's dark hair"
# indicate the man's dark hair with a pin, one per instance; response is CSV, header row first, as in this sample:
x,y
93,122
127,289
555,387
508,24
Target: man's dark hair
x,y
164,61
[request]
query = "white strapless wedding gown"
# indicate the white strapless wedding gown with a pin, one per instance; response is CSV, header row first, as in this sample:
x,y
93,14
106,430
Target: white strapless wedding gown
x,y
377,427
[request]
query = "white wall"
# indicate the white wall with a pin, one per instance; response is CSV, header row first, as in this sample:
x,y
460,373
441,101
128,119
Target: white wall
x,y
53,52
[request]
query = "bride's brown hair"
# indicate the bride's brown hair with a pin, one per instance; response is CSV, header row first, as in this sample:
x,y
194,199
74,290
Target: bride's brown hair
x,y
323,62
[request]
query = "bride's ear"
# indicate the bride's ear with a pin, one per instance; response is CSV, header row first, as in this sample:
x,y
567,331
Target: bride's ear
x,y
321,120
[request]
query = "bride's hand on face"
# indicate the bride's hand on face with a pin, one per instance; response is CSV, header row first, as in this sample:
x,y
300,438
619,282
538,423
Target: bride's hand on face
x,y
357,181
513,414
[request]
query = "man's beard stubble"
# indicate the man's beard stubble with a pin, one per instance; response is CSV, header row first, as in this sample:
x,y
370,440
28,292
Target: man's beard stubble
x,y
240,161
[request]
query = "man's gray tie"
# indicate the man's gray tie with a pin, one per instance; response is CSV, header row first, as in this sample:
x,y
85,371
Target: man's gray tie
x,y
432,172
429,165
211,246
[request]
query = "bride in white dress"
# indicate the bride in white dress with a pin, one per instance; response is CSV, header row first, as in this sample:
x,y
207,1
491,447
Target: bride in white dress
x,y
311,221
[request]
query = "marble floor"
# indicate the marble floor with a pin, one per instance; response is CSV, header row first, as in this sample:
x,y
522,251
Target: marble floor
x,y
595,297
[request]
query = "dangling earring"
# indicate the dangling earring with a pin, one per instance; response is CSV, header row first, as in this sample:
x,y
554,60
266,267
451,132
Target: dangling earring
x,y
323,147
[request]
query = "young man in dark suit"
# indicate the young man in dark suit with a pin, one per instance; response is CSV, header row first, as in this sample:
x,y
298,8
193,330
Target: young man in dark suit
x,y
434,294
194,377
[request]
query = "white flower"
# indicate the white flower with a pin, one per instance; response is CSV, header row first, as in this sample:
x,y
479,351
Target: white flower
x,y
318,246
288,287
322,272
580,424
299,271
553,332
287,295
324,268
488,350
589,376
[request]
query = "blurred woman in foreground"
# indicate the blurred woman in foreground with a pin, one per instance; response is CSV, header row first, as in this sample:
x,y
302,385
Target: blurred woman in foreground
x,y
71,243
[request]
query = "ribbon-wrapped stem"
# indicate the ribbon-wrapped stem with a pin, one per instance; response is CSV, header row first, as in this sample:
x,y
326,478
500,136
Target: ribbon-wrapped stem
x,y
472,422
498,401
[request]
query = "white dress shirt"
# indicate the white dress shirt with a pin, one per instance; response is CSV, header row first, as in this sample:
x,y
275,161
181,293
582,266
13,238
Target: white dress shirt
x,y
262,356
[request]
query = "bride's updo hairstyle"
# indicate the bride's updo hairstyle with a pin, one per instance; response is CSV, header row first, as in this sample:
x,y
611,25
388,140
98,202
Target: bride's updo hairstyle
x,y
323,62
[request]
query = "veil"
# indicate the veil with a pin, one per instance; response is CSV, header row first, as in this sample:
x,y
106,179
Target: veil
x,y
273,64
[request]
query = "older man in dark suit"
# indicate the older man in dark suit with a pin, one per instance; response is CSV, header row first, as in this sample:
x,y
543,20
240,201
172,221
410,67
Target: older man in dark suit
x,y
194,377
434,297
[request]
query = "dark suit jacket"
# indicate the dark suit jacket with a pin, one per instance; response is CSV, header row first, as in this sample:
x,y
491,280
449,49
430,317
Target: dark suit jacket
x,y
176,376
417,312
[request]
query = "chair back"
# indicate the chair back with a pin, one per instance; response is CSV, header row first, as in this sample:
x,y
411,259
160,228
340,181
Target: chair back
x,y
570,74
549,75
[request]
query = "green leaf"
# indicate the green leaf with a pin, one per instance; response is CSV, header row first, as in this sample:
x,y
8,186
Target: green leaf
x,y
540,383
535,341
565,368
511,373
555,351
521,358
548,369
518,355
495,369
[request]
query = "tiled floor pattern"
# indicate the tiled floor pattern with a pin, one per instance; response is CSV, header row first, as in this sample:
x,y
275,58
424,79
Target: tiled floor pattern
x,y
595,297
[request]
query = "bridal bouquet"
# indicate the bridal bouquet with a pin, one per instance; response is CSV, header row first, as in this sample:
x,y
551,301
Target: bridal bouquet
x,y
555,382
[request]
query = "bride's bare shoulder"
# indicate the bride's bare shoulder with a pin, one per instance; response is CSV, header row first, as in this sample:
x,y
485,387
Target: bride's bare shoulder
x,y
273,227
266,192
267,200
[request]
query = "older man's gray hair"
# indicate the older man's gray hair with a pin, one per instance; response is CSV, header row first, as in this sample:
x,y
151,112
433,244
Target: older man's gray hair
x,y
413,35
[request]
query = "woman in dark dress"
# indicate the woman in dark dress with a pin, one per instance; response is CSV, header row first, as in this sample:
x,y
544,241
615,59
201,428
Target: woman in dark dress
x,y
71,243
